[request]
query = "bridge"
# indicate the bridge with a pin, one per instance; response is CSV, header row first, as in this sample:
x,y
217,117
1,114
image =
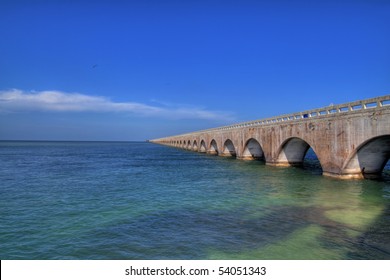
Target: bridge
x,y
351,140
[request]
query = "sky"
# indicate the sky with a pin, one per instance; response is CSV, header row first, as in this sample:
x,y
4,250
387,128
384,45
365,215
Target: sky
x,y
136,70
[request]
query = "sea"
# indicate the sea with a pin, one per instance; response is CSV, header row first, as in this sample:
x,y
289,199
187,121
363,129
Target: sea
x,y
143,201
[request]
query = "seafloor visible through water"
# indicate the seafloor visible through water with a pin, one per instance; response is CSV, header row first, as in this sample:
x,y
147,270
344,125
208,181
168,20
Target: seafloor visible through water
x,y
128,200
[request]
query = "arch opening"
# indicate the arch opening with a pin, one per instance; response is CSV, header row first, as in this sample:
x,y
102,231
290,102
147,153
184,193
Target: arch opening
x,y
386,171
203,148
293,152
252,150
311,161
371,159
297,152
228,149
195,146
213,148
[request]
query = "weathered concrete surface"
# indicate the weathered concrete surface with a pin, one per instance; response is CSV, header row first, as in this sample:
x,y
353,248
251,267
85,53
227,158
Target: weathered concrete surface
x,y
350,140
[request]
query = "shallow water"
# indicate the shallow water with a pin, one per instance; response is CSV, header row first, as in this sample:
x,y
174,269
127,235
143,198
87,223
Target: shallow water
x,y
128,200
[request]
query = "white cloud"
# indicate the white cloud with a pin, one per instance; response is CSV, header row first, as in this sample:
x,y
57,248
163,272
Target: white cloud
x,y
57,101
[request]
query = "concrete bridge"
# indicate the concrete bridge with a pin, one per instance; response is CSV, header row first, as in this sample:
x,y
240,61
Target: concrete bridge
x,y
351,140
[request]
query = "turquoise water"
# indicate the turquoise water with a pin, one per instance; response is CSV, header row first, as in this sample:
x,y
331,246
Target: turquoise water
x,y
127,200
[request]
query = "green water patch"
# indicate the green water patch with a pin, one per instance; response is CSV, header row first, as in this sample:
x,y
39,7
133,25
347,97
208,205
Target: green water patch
x,y
358,218
357,204
302,244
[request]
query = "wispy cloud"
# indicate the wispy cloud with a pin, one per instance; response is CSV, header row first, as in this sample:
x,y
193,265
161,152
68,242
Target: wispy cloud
x,y
57,101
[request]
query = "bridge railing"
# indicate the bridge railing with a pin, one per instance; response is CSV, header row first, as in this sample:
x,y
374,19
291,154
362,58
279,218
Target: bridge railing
x,y
367,104
371,103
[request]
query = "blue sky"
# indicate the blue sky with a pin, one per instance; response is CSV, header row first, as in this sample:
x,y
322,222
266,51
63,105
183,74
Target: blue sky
x,y
136,70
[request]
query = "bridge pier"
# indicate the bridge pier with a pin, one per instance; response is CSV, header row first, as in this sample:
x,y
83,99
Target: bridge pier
x,y
228,154
348,176
249,158
284,164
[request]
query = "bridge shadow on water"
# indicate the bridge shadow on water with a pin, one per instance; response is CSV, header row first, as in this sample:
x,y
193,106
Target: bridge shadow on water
x,y
375,239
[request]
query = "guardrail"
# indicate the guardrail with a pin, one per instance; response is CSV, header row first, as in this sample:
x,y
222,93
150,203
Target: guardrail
x,y
367,104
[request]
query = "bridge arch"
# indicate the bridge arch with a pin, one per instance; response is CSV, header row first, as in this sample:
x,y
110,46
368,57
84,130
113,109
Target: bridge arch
x,y
292,152
252,150
195,146
369,159
203,147
213,150
229,148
